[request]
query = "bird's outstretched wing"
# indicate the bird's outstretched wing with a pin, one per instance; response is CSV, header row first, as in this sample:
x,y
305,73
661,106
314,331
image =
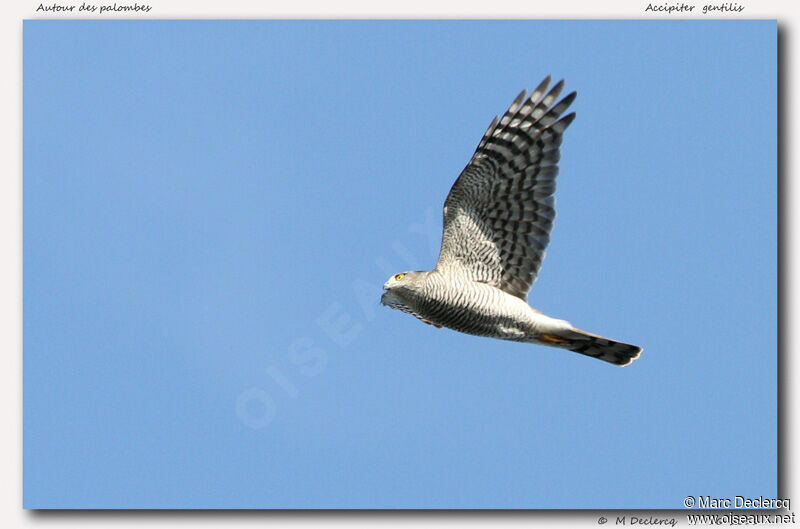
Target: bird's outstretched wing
x,y
499,213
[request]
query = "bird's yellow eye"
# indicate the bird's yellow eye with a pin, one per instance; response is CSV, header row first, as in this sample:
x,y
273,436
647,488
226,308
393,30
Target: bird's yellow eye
x,y
398,277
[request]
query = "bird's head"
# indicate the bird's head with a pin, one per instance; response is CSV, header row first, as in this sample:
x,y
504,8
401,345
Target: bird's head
x,y
399,289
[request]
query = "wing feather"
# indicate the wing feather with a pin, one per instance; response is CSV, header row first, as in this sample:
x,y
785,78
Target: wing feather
x,y
500,211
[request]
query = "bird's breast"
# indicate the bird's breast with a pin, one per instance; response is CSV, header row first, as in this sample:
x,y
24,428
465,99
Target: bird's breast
x,y
475,308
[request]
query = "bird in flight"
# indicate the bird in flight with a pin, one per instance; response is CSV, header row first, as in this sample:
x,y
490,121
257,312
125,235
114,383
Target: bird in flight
x,y
497,221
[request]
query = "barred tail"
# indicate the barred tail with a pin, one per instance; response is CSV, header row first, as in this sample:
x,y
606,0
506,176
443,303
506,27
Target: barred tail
x,y
589,344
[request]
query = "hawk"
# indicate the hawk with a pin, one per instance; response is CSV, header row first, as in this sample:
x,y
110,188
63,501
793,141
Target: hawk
x,y
497,221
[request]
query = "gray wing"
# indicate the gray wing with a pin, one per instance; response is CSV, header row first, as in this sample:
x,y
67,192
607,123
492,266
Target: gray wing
x,y
499,213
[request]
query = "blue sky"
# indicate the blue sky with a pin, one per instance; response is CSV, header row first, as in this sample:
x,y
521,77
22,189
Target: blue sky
x,y
211,208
